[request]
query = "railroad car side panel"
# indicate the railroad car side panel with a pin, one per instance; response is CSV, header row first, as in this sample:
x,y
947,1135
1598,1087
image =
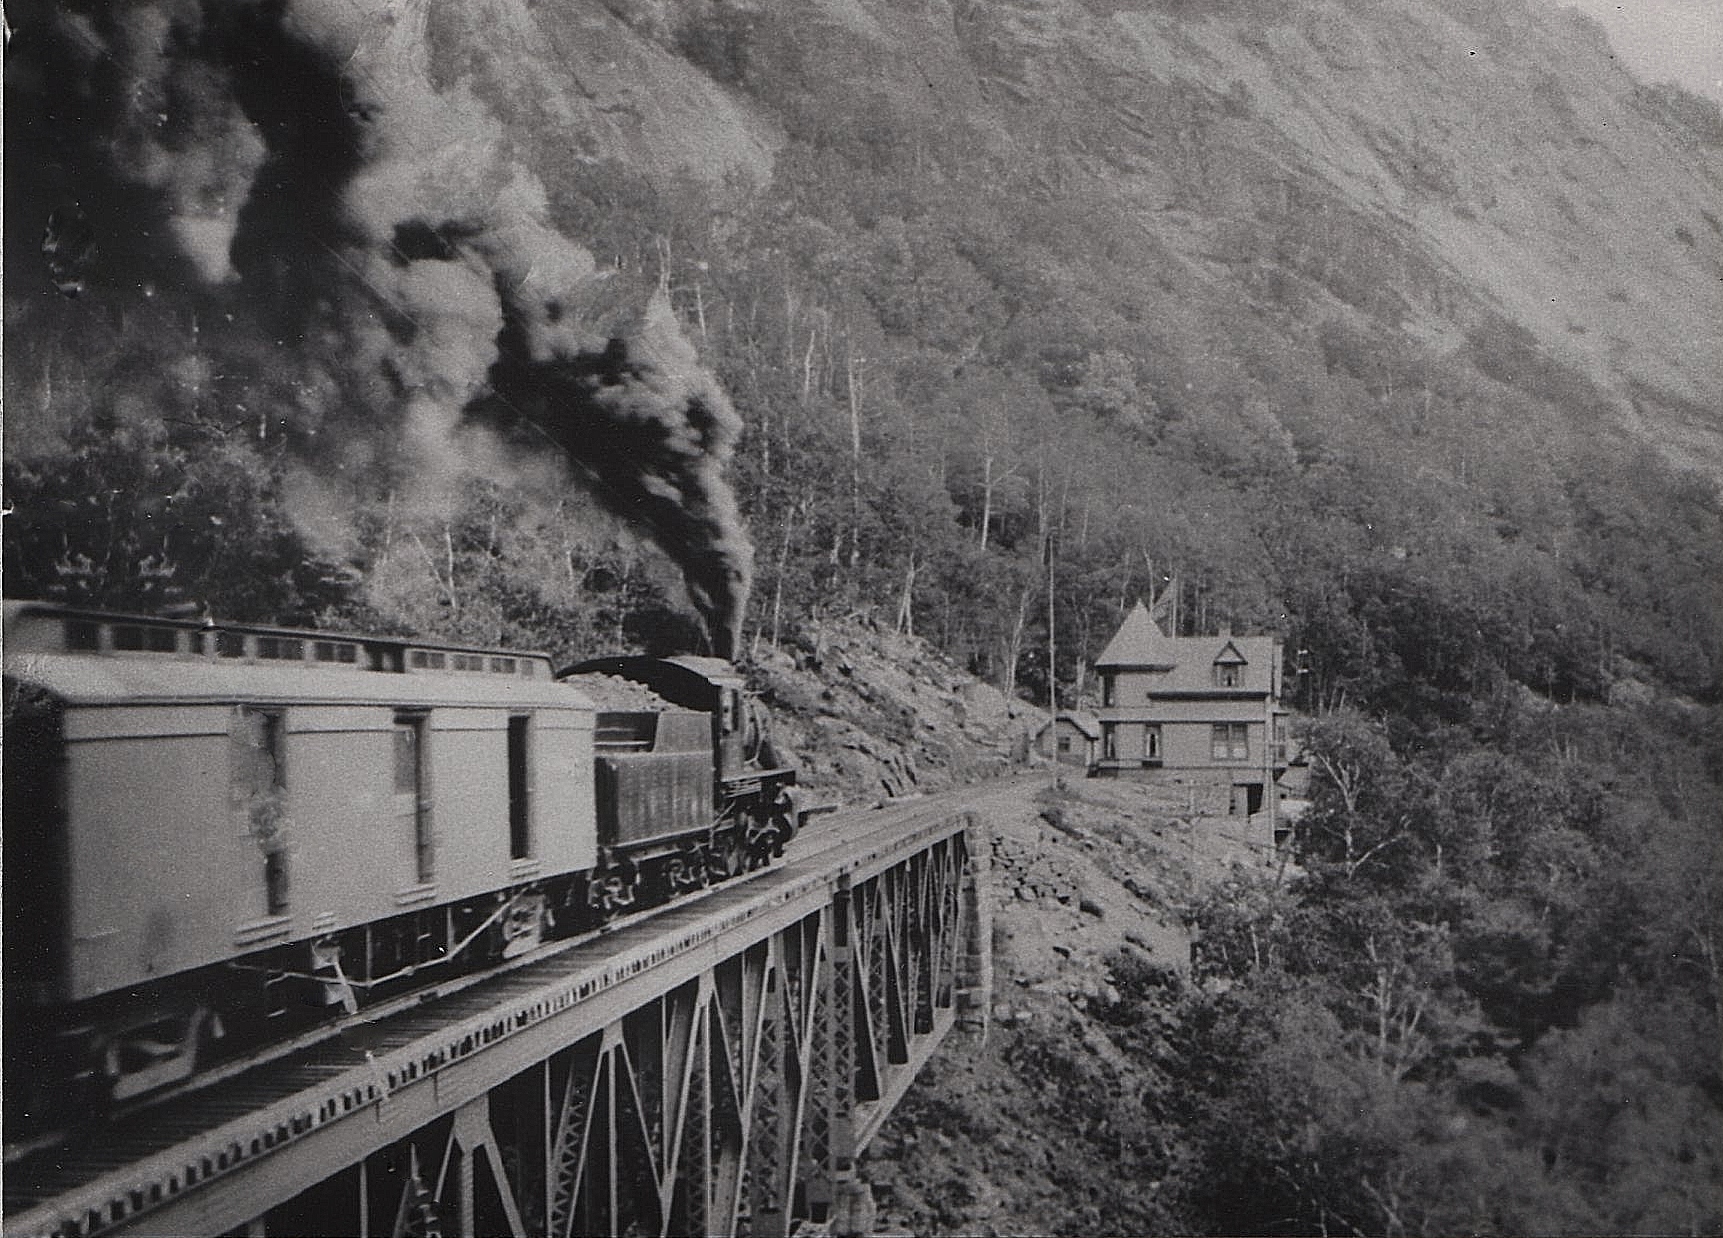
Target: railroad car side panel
x,y
348,837
468,769
563,811
157,871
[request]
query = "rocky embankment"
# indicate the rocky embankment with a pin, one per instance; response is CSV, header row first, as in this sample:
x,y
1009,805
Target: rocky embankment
x,y
869,714
1061,1121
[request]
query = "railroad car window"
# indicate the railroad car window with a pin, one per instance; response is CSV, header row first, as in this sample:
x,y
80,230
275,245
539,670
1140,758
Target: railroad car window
x,y
411,798
334,651
281,648
469,662
161,640
382,658
520,805
128,638
81,635
194,642
424,659
503,666
230,644
258,789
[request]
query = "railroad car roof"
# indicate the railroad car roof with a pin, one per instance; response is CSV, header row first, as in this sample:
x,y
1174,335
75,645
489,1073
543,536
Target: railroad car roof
x,y
17,609
80,679
683,680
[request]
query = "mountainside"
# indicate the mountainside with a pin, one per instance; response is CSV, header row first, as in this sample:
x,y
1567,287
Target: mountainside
x,y
1476,187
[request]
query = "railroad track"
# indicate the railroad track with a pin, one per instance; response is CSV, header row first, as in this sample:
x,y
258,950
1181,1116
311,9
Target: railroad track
x,y
106,1176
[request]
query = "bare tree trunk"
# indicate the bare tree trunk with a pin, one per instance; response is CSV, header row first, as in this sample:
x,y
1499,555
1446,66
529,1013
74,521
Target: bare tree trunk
x,y
986,497
853,375
906,603
778,583
1014,645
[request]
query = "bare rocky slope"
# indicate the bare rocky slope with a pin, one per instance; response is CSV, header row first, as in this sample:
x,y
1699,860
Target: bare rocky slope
x,y
871,714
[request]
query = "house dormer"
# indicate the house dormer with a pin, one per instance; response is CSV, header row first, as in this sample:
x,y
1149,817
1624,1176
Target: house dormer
x,y
1228,669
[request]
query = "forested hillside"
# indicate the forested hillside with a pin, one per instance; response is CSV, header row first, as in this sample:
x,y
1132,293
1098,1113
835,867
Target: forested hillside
x,y
1395,328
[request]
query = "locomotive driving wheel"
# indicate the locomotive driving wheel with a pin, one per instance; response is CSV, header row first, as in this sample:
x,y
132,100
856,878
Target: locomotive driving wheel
x,y
614,887
727,857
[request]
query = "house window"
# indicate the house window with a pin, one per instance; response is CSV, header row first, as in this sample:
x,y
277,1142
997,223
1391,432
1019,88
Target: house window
x,y
1064,743
520,803
1231,741
1107,694
1110,742
412,801
257,765
1228,674
1152,743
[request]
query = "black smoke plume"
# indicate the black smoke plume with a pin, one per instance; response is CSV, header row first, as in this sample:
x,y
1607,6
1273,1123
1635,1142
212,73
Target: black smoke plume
x,y
352,248
651,432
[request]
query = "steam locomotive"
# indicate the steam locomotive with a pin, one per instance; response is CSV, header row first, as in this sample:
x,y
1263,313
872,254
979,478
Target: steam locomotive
x,y
219,836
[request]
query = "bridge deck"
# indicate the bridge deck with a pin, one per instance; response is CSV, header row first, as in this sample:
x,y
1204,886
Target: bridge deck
x,y
197,1163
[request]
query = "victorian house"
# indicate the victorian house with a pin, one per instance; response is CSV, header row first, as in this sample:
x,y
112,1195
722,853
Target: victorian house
x,y
1198,710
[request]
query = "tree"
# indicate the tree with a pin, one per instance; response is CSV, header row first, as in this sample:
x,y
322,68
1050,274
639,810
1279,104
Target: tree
x,y
1364,799
129,519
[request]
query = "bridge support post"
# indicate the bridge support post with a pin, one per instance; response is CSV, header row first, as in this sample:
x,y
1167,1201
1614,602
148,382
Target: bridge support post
x,y
975,970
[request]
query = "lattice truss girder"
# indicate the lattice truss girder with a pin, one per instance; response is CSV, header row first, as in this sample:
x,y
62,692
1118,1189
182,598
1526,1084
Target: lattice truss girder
x,y
736,1103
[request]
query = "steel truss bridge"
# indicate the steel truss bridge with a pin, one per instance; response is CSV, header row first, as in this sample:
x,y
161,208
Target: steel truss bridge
x,y
715,1067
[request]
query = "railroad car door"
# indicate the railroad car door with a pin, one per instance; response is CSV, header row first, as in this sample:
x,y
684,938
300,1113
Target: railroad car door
x,y
412,798
258,792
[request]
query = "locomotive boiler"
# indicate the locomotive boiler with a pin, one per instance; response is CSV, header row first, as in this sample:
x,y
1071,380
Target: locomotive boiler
x,y
219,836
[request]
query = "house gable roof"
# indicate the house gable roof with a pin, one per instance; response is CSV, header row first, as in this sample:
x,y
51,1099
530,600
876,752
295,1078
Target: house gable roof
x,y
1139,644
1184,665
1085,722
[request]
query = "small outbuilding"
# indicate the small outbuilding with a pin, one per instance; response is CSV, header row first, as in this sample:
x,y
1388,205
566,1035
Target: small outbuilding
x,y
1071,738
